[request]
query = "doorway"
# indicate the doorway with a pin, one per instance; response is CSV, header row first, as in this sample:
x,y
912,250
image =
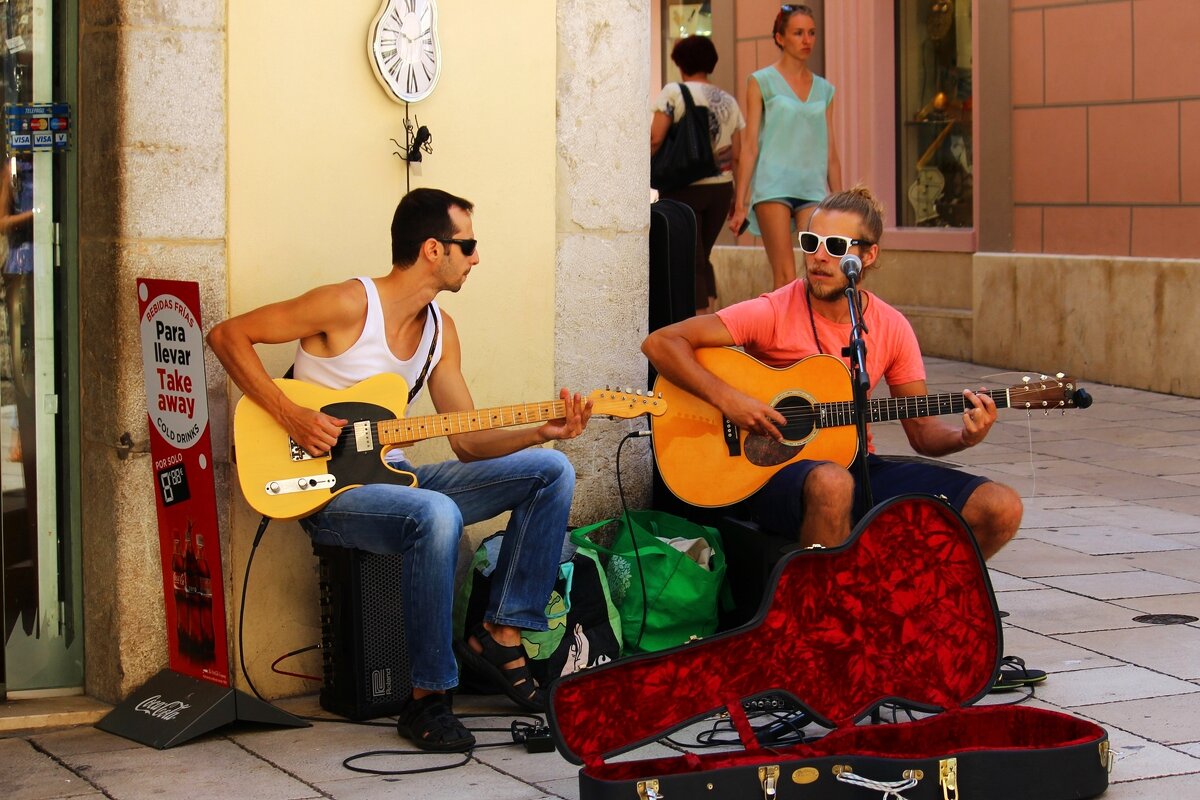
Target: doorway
x,y
42,637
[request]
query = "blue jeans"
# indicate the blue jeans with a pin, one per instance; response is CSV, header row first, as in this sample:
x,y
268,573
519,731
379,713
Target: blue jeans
x,y
425,524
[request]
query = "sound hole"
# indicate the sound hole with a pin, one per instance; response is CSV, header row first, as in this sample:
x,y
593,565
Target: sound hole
x,y
800,416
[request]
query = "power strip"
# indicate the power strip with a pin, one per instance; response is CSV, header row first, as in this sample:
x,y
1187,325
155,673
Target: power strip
x,y
770,702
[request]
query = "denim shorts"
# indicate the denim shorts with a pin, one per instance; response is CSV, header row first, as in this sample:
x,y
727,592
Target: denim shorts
x,y
795,202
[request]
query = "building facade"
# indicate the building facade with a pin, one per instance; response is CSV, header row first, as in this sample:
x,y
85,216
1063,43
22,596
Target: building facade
x,y
249,147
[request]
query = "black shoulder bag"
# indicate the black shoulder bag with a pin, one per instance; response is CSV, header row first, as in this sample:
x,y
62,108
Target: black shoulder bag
x,y
686,154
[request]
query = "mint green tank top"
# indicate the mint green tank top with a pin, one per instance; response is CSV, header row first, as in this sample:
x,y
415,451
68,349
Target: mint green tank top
x,y
793,142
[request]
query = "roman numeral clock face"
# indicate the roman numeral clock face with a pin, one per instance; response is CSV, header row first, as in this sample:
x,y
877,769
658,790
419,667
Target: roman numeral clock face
x,y
403,45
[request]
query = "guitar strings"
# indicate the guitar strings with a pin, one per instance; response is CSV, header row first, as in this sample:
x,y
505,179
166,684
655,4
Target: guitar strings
x,y
348,434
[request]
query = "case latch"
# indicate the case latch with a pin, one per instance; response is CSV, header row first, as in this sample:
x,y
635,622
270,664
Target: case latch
x,y
1107,757
648,790
948,778
769,778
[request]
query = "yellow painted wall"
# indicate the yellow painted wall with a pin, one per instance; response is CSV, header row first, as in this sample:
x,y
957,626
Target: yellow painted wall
x,y
313,183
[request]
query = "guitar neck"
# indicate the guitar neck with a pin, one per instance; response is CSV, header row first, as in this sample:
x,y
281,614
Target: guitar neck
x,y
841,413
415,429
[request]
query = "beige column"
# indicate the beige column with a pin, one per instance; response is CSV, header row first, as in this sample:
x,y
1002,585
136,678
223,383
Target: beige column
x,y
603,228
152,156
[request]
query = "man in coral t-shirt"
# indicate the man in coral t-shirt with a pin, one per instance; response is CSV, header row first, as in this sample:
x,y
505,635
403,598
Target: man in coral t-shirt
x,y
817,499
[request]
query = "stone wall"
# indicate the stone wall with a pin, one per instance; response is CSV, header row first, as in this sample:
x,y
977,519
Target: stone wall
x,y
603,228
152,161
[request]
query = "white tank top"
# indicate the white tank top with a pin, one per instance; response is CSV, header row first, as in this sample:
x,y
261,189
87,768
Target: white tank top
x,y
370,355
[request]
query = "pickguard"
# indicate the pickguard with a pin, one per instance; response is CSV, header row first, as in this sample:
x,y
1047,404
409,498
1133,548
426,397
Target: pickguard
x,y
763,451
353,467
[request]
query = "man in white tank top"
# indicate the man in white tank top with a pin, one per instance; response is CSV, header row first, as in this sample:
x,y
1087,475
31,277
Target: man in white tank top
x,y
347,332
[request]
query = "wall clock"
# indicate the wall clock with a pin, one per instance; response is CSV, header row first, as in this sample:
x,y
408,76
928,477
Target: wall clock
x,y
404,50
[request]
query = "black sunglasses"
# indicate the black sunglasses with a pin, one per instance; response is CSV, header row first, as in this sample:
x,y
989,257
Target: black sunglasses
x,y
467,245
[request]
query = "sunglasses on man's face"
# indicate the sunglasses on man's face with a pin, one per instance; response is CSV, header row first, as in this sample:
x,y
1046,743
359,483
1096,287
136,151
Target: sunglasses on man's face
x,y
836,246
467,245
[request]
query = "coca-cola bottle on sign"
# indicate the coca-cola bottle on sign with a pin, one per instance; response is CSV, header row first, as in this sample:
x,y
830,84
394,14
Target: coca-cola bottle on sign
x,y
191,633
179,582
204,621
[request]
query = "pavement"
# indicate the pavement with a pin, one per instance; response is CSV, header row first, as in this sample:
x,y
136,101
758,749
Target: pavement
x,y
1111,534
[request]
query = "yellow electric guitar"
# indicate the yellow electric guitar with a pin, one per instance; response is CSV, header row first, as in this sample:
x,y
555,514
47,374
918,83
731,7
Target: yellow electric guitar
x,y
282,481
706,460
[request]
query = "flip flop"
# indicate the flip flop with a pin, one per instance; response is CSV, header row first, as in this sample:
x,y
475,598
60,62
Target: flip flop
x,y
430,724
516,682
1015,675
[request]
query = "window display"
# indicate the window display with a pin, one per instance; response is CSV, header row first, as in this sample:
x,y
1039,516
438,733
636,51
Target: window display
x,y
934,162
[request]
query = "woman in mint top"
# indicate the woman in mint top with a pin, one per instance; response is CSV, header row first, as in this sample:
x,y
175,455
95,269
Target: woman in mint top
x,y
789,160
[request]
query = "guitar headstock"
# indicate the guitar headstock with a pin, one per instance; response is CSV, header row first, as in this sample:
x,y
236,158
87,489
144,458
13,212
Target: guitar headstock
x,y
627,404
1047,393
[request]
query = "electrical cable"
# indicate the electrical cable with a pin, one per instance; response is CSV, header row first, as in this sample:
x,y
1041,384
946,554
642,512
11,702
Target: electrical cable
x,y
538,725
262,528
277,671
637,554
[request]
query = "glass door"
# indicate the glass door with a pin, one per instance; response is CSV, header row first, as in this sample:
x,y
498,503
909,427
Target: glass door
x,y
42,642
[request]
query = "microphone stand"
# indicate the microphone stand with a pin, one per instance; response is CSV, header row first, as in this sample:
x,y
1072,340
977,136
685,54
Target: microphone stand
x,y
860,382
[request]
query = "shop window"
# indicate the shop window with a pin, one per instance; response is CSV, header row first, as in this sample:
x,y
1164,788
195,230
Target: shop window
x,y
683,19
934,66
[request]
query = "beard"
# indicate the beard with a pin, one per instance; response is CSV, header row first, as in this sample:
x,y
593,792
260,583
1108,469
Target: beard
x,y
828,291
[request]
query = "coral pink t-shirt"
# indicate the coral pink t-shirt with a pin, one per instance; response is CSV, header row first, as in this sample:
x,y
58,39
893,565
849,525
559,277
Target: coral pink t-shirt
x,y
775,329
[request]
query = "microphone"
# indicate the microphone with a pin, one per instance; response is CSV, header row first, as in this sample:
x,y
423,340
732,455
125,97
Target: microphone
x,y
851,266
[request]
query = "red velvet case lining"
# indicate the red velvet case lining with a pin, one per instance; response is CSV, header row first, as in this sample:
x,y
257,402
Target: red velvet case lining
x,y
903,611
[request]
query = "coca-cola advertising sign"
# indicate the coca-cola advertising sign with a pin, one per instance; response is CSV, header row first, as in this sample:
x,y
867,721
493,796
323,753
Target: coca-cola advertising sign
x,y
181,450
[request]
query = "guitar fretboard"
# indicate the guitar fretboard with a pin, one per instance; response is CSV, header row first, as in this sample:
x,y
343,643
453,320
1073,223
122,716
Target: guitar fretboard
x,y
837,414
415,429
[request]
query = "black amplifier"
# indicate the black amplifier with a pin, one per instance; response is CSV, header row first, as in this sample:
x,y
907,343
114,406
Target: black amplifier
x,y
366,664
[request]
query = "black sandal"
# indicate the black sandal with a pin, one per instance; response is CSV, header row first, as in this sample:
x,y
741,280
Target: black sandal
x,y
430,724
1015,675
516,682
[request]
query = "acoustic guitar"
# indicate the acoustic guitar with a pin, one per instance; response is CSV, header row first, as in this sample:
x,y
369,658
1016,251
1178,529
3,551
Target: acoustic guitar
x,y
706,460
282,481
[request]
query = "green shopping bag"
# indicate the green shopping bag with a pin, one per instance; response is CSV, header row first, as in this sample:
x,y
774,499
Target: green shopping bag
x,y
583,630
681,596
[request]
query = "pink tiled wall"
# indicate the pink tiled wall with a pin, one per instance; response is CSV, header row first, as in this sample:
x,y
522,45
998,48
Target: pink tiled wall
x,y
1106,127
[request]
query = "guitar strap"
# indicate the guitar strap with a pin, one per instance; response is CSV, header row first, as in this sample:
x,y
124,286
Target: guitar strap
x,y
429,358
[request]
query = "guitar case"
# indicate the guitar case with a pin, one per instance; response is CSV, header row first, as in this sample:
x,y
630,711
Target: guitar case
x,y
903,613
672,277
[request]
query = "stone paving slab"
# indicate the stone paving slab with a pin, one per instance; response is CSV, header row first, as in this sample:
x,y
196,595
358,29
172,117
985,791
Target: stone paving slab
x,y
1122,585
1168,649
1136,517
212,767
32,775
1027,557
1175,788
1105,684
1099,540
1052,611
472,780
1183,564
1056,657
1137,758
74,742
1170,722
1188,604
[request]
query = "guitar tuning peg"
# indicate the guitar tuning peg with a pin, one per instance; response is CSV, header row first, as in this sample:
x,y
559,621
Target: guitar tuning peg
x,y
1043,377
1025,379
628,390
639,392
1059,375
